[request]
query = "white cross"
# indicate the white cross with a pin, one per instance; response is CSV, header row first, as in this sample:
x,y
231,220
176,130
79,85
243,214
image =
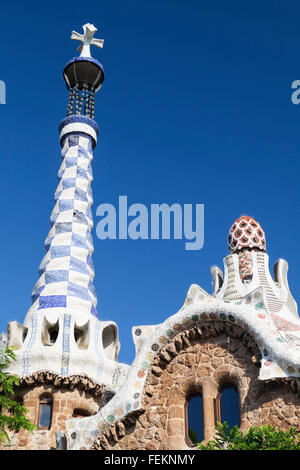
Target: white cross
x,y
87,39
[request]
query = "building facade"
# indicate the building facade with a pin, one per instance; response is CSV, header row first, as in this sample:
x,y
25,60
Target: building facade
x,y
244,337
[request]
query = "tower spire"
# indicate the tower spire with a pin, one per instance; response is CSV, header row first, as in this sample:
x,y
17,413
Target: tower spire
x,y
66,271
61,331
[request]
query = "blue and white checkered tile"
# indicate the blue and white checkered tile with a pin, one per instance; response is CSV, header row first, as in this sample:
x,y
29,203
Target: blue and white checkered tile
x,y
66,271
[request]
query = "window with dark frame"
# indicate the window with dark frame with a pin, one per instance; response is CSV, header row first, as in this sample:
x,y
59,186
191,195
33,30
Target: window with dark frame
x,y
194,420
227,406
45,412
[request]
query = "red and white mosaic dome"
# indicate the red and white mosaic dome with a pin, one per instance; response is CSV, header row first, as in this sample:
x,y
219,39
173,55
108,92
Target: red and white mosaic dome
x,y
245,233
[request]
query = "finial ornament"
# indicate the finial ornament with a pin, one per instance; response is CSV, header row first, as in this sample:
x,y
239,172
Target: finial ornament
x,y
84,75
246,233
87,39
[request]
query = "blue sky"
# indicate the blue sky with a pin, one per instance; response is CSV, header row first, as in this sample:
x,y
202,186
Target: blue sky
x,y
195,108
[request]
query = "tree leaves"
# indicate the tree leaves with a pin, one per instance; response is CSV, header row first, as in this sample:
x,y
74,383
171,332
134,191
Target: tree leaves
x,y
12,413
256,438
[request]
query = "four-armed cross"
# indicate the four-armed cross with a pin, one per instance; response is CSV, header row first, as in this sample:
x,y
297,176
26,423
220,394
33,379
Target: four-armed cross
x,y
87,39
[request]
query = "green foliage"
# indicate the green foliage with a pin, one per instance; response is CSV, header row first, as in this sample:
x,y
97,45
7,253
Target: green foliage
x,y
193,436
14,416
256,438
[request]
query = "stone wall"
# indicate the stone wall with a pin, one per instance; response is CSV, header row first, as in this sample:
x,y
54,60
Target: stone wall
x,y
199,360
203,360
67,393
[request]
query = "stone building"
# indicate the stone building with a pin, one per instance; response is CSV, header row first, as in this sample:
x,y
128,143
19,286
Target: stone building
x,y
244,337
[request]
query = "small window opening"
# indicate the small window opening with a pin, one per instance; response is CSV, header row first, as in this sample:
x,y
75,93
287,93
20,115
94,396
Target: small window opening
x,y
227,406
45,412
24,334
80,413
17,334
82,335
109,341
77,335
53,334
194,420
49,333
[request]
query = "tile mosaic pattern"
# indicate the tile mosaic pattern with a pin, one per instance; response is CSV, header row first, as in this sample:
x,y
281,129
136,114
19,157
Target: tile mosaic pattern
x,y
26,353
99,351
245,264
66,345
67,271
231,293
274,304
246,232
279,358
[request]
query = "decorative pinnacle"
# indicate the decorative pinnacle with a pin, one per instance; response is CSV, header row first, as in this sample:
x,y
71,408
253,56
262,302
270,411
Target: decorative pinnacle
x,y
87,39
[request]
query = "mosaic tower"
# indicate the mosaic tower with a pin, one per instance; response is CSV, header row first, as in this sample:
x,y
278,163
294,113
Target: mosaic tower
x,y
61,331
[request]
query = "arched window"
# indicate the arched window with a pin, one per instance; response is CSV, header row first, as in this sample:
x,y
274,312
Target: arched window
x,y
227,406
45,412
194,419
